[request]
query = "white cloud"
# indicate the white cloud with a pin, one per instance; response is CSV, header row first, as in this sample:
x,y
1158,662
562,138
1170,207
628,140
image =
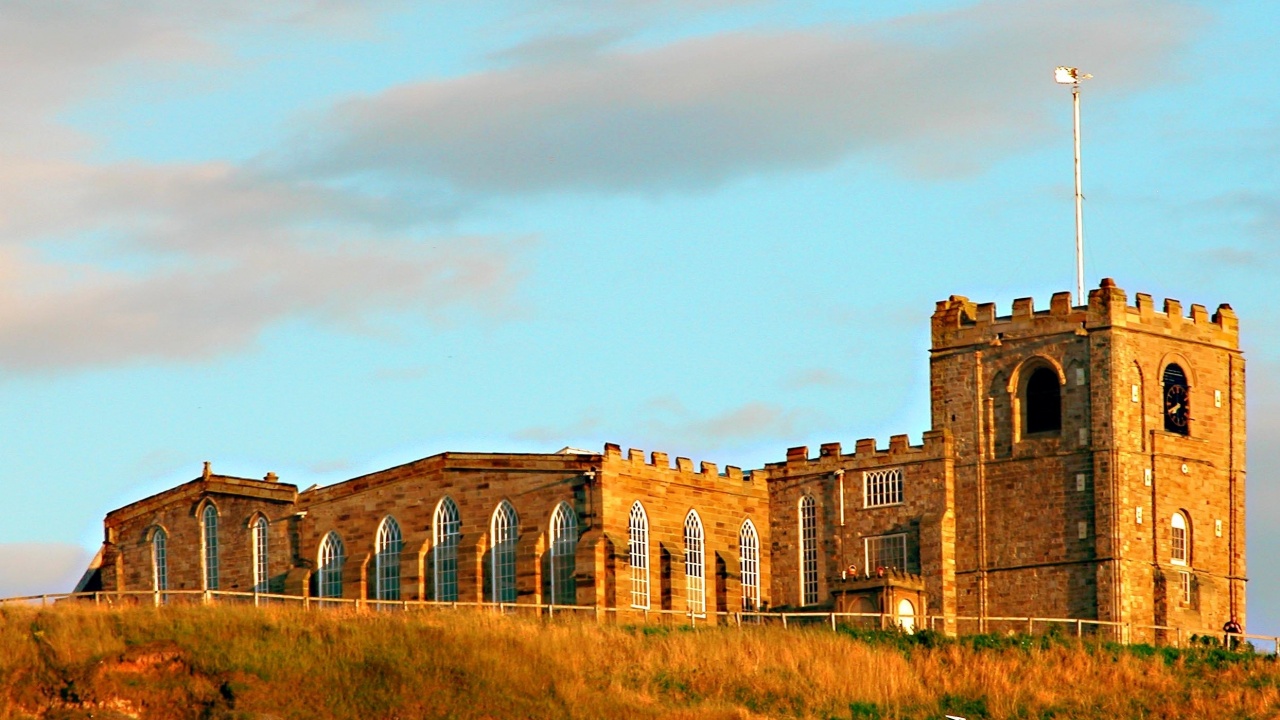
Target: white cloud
x,y
933,94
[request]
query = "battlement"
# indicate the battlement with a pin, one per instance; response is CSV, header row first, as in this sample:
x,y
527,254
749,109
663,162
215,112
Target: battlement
x,y
634,463
959,322
934,444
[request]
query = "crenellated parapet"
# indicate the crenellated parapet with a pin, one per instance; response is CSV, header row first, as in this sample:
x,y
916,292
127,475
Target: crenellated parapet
x,y
867,454
959,322
659,465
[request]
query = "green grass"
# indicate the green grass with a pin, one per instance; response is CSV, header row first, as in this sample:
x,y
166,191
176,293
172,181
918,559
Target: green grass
x,y
227,662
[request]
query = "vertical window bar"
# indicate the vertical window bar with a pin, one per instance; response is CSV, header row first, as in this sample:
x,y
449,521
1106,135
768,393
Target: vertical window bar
x,y
749,561
695,567
160,560
210,536
332,558
564,545
261,578
387,560
447,529
886,551
808,551
504,529
638,542
882,487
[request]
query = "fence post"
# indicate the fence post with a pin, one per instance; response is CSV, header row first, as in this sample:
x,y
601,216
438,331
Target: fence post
x,y
833,622
1030,627
784,620
1079,628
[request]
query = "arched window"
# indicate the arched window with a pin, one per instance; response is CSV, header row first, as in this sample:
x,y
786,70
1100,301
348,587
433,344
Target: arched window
x,y
209,537
638,547
1180,544
695,564
386,561
1043,402
258,540
446,529
504,530
160,560
564,546
329,564
749,563
1177,401
907,616
808,550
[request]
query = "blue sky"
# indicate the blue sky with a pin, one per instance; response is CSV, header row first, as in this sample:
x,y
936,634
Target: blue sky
x,y
332,236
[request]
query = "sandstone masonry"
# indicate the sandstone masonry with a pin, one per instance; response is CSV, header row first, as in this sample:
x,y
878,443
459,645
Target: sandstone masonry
x,y
1084,462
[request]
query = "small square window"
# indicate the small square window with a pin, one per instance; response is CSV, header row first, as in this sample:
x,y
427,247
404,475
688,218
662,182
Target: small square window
x,y
1217,398
1079,482
1137,515
1146,476
1186,587
1084,436
1082,528
1079,376
1217,528
1134,394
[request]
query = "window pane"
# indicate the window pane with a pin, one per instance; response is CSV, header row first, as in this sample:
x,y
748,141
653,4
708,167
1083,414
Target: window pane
x,y
447,529
695,571
504,529
638,541
886,551
387,561
564,546
808,550
882,487
331,561
260,564
749,561
210,522
160,560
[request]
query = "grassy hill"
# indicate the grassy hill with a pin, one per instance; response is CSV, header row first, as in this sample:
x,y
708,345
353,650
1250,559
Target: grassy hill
x,y
227,662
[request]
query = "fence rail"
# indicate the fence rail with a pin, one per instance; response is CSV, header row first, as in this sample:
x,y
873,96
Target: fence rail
x,y
1122,632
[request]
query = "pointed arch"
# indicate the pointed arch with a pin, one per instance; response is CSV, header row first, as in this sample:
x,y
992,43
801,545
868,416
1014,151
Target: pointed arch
x,y
695,564
329,562
749,564
638,553
386,560
564,548
259,546
159,540
808,511
504,531
446,530
209,544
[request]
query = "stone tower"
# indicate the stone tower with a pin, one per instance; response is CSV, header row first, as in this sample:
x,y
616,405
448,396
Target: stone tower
x,y
1099,467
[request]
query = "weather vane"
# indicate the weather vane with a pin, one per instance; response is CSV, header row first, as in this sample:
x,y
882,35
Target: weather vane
x,y
1072,76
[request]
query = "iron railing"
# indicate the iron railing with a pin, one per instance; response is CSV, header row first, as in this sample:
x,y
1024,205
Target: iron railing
x,y
1121,632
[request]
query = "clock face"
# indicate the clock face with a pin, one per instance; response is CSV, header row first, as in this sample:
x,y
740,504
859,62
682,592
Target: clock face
x,y
1175,407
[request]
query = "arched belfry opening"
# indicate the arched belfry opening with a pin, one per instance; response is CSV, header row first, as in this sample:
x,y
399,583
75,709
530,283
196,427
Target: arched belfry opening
x,y
1177,401
1043,402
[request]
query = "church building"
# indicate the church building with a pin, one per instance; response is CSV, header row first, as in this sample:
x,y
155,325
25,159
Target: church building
x,y
1084,462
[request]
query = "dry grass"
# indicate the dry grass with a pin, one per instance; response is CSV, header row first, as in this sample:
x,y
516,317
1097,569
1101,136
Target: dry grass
x,y
226,662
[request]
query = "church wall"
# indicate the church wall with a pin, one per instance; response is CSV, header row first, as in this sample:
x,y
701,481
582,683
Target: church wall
x,y
668,494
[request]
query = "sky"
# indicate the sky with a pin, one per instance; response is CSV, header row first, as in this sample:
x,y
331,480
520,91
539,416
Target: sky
x,y
324,237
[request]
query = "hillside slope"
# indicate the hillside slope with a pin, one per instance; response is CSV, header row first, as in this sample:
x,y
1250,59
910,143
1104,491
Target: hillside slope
x,y
226,662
